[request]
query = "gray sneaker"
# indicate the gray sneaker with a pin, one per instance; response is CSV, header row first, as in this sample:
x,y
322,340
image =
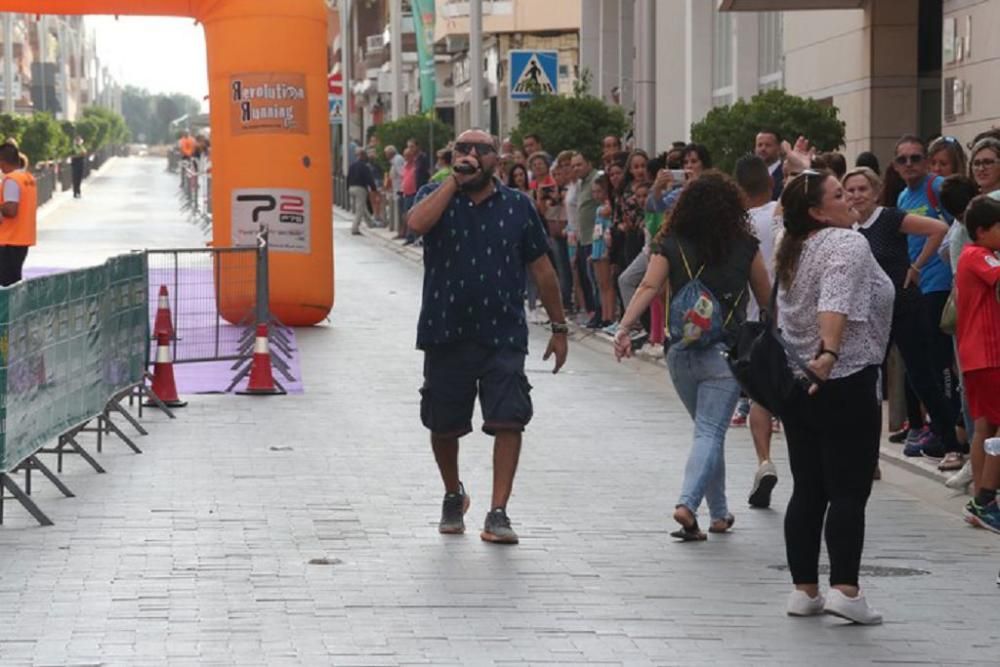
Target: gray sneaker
x,y
453,510
497,528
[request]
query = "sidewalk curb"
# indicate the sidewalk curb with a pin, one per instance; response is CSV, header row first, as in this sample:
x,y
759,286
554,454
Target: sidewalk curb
x,y
599,342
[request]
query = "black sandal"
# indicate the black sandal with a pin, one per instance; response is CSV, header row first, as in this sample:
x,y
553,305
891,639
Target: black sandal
x,y
689,533
730,520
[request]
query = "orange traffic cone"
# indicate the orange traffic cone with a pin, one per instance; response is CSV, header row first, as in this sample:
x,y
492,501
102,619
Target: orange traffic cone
x,y
261,379
163,323
163,375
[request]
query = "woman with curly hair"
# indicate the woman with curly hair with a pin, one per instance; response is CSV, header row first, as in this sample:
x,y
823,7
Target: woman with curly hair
x,y
725,257
834,309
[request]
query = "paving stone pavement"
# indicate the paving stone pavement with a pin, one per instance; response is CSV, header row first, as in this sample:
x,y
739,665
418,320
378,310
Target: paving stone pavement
x,y
301,530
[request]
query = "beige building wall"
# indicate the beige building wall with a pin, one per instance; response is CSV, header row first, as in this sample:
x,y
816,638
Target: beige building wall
x,y
510,16
864,62
977,36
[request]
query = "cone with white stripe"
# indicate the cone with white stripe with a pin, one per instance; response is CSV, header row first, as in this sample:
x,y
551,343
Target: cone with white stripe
x,y
261,381
163,323
163,375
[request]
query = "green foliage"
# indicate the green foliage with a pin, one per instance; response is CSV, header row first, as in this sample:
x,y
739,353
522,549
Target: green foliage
x,y
570,123
42,139
432,134
729,132
101,127
148,116
12,126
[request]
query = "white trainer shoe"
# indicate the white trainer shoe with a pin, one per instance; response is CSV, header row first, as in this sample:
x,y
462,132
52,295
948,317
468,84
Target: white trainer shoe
x,y
800,604
962,478
764,482
855,610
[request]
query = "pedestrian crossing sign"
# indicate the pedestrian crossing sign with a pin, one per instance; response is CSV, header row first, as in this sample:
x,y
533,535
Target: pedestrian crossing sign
x,y
336,107
533,72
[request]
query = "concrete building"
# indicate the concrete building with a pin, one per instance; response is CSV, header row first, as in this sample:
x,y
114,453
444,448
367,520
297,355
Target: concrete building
x,y
890,67
970,51
507,24
52,63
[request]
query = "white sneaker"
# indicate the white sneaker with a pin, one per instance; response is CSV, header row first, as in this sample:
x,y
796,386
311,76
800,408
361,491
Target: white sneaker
x,y
764,482
800,604
962,478
855,610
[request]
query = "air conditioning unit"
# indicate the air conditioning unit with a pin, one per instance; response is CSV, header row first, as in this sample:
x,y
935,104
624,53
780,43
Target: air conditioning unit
x,y
374,42
456,43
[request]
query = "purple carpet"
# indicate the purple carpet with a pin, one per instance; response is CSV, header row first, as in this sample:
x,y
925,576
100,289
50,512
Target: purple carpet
x,y
202,334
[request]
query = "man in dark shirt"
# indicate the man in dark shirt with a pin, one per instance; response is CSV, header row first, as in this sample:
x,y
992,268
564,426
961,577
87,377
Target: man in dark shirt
x,y
359,183
480,239
423,162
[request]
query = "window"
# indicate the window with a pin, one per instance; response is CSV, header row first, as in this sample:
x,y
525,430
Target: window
x,y
722,58
769,50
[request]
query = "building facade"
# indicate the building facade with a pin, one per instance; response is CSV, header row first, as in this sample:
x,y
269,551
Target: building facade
x,y
53,66
890,67
552,25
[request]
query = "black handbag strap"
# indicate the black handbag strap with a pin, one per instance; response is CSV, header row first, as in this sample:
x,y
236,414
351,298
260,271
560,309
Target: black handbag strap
x,y
772,324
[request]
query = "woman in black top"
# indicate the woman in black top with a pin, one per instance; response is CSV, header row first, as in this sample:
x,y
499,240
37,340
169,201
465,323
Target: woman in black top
x,y
725,257
886,228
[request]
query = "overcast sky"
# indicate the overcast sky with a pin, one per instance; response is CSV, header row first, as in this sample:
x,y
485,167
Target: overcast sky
x,y
163,55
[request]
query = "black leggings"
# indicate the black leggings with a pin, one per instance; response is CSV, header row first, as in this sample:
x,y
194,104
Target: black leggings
x,y
11,261
833,440
928,355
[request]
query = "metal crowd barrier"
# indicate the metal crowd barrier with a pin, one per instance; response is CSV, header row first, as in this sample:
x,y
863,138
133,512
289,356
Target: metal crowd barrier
x,y
193,278
217,297
196,191
74,350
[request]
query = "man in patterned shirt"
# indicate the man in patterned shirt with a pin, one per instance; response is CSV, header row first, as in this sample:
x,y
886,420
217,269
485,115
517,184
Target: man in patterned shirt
x,y
480,238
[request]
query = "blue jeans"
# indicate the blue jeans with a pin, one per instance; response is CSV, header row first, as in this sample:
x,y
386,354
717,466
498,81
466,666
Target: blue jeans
x,y
560,251
707,388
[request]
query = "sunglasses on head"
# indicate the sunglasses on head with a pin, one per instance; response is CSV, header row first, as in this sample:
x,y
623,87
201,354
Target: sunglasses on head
x,y
806,173
481,148
916,158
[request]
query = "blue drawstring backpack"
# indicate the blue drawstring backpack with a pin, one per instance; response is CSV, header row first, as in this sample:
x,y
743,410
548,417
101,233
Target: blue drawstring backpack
x,y
694,315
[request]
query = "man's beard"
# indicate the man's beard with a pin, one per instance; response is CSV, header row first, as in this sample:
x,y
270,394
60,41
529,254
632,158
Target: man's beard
x,y
480,182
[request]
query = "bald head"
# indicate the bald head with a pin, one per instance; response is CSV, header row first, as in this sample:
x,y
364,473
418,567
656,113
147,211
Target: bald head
x,y
476,136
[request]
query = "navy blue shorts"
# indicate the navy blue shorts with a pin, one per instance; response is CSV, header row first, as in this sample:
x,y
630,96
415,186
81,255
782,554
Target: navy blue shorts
x,y
455,373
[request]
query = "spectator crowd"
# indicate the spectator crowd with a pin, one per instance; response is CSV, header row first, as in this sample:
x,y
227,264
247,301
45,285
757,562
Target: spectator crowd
x,y
855,259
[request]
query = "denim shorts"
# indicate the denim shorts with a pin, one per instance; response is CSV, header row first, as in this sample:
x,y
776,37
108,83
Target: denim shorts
x,y
455,373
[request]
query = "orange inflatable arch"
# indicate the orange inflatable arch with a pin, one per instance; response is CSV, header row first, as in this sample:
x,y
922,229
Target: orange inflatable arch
x,y
270,133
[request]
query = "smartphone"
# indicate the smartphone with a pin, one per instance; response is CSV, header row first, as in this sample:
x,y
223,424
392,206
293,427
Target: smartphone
x,y
679,175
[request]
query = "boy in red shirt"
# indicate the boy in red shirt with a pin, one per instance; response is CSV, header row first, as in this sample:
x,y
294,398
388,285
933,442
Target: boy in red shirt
x,y
977,287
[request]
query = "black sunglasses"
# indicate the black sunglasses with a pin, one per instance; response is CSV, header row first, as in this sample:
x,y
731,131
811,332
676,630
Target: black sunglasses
x,y
911,159
481,148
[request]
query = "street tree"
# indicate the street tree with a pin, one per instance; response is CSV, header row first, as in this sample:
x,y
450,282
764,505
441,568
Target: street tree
x,y
730,131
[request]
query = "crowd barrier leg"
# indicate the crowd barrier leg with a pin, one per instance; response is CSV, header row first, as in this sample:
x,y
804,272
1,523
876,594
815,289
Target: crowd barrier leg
x,y
152,400
8,484
32,463
68,441
116,405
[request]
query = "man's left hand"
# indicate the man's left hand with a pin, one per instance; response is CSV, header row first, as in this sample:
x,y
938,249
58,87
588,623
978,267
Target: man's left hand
x,y
557,345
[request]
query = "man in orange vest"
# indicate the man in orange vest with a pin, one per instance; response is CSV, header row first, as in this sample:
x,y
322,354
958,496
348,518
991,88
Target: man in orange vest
x,y
186,145
17,215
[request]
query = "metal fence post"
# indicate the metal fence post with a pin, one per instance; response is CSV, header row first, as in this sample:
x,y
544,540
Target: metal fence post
x,y
263,310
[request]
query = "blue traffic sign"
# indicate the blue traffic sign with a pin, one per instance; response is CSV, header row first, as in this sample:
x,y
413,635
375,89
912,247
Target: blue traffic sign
x,y
532,71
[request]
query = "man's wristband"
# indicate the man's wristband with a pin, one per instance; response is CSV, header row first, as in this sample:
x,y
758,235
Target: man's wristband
x,y
559,328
